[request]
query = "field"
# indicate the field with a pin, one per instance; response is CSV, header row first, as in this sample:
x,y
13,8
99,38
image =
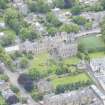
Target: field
x,y
92,43
96,55
42,62
71,60
70,79
1,19
9,31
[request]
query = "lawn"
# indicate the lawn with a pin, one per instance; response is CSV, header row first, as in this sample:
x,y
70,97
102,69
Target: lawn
x,y
71,60
41,62
9,31
70,79
97,55
92,43
1,19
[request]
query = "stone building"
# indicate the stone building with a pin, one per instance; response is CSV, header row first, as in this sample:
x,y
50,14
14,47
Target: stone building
x,y
21,6
85,96
67,48
63,42
95,17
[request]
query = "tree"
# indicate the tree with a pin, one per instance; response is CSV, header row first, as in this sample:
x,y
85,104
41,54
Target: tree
x,y
14,89
39,6
70,28
52,19
34,74
8,39
59,3
2,101
103,3
12,100
24,33
3,4
4,57
88,25
13,19
80,20
76,9
37,96
103,29
26,82
52,31
24,62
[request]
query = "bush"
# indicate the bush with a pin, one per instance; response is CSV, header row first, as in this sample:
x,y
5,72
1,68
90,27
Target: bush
x,y
4,77
14,89
80,20
76,10
37,96
26,82
70,87
70,28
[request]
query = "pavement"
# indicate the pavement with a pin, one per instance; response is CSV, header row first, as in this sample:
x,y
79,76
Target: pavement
x,y
13,77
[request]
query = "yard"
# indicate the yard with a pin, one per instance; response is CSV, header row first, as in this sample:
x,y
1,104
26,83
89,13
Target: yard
x,y
96,55
92,43
9,31
70,79
71,60
42,62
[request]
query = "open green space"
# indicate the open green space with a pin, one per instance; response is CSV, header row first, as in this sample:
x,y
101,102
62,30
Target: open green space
x,y
92,43
70,79
40,61
97,55
1,19
71,60
9,31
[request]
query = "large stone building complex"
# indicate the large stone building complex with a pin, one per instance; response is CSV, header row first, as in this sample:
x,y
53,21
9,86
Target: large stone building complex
x,y
64,43
83,97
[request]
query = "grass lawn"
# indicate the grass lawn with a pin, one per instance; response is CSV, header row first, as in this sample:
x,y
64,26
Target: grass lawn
x,y
8,31
1,19
71,60
41,62
70,79
92,43
97,55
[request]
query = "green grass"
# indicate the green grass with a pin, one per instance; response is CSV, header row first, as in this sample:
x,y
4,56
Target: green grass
x,y
9,31
72,60
1,19
41,63
97,55
70,79
92,43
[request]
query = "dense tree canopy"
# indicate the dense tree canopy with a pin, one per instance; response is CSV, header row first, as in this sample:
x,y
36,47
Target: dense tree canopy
x,y
38,6
52,19
3,4
26,82
70,28
13,19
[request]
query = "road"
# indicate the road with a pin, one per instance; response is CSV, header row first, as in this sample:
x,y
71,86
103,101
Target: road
x,y
13,79
89,32
91,74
